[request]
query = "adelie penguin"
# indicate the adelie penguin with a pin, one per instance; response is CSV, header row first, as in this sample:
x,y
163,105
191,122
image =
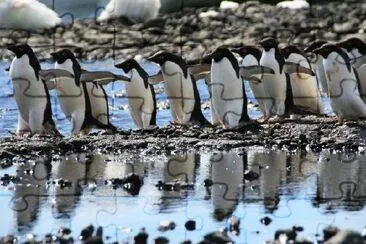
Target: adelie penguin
x,y
317,64
84,103
251,56
181,89
343,83
140,94
305,92
356,50
228,96
31,93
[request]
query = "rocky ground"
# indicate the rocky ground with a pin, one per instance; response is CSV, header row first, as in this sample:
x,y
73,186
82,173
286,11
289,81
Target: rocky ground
x,y
308,133
197,30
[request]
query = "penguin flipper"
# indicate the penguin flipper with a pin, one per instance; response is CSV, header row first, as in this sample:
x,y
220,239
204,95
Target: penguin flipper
x,y
50,74
156,79
248,72
101,77
199,68
291,68
358,62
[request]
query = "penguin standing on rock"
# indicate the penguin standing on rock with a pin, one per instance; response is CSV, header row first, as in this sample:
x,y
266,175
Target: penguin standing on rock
x,y
305,92
343,83
317,64
277,86
229,100
251,56
31,93
140,94
84,103
356,50
181,89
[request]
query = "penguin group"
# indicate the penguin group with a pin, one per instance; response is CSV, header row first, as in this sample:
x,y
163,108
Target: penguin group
x,y
285,81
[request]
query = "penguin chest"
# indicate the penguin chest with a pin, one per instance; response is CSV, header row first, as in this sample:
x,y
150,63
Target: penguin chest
x,y
29,95
98,102
226,89
139,98
274,84
70,96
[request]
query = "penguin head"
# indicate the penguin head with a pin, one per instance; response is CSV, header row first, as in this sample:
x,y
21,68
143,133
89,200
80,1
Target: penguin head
x,y
63,55
248,50
128,65
314,45
162,56
21,49
288,50
218,55
353,43
269,43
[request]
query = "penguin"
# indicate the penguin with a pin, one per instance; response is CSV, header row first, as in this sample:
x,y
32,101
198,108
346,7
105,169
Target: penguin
x,y
277,86
317,64
343,83
356,50
31,93
30,15
251,56
305,92
140,94
229,99
181,89
84,103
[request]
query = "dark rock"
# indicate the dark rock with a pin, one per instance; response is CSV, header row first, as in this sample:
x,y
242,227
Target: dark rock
x,y
266,220
141,237
161,240
346,237
329,231
190,225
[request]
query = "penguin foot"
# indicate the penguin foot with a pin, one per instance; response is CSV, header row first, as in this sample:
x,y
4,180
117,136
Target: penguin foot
x,y
277,118
264,119
21,133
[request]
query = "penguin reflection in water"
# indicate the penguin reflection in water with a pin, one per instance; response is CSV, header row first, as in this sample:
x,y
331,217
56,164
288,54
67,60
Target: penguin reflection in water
x,y
31,93
181,89
343,83
84,103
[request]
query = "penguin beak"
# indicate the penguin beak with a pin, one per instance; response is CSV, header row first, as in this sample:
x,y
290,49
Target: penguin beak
x,y
155,59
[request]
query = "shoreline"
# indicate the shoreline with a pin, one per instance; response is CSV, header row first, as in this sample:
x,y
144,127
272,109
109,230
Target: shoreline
x,y
309,133
189,33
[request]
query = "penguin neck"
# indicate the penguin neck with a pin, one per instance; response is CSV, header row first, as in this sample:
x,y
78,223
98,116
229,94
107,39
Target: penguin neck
x,y
33,61
250,60
170,68
274,52
138,74
68,65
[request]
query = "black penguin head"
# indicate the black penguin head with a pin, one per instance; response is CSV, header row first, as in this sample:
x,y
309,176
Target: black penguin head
x,y
268,43
128,65
63,55
21,49
352,43
314,45
288,50
327,49
162,56
218,55
248,50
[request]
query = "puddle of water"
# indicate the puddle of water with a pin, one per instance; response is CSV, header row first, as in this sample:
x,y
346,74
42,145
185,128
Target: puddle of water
x,y
309,190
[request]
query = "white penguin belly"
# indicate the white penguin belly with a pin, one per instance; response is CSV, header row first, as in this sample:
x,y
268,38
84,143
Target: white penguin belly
x,y
98,102
227,94
70,96
362,76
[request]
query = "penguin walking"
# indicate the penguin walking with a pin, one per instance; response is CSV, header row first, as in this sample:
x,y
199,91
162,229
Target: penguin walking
x,y
251,56
229,100
305,92
181,89
317,65
140,94
31,93
343,83
356,50
84,103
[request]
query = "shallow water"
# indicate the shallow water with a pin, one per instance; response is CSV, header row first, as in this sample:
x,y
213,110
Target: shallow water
x,y
119,117
308,190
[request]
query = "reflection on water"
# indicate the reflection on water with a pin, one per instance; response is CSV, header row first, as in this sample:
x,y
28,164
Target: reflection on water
x,y
75,188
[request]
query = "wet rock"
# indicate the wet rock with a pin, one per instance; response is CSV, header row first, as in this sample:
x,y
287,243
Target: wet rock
x,y
161,240
285,235
329,232
141,237
266,220
219,237
346,237
251,175
166,225
8,239
234,225
190,225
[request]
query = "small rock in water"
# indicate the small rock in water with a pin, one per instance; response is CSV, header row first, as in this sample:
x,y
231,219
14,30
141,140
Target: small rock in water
x,y
266,220
161,240
166,225
8,239
285,235
234,224
190,225
141,237
251,175
346,237
329,232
